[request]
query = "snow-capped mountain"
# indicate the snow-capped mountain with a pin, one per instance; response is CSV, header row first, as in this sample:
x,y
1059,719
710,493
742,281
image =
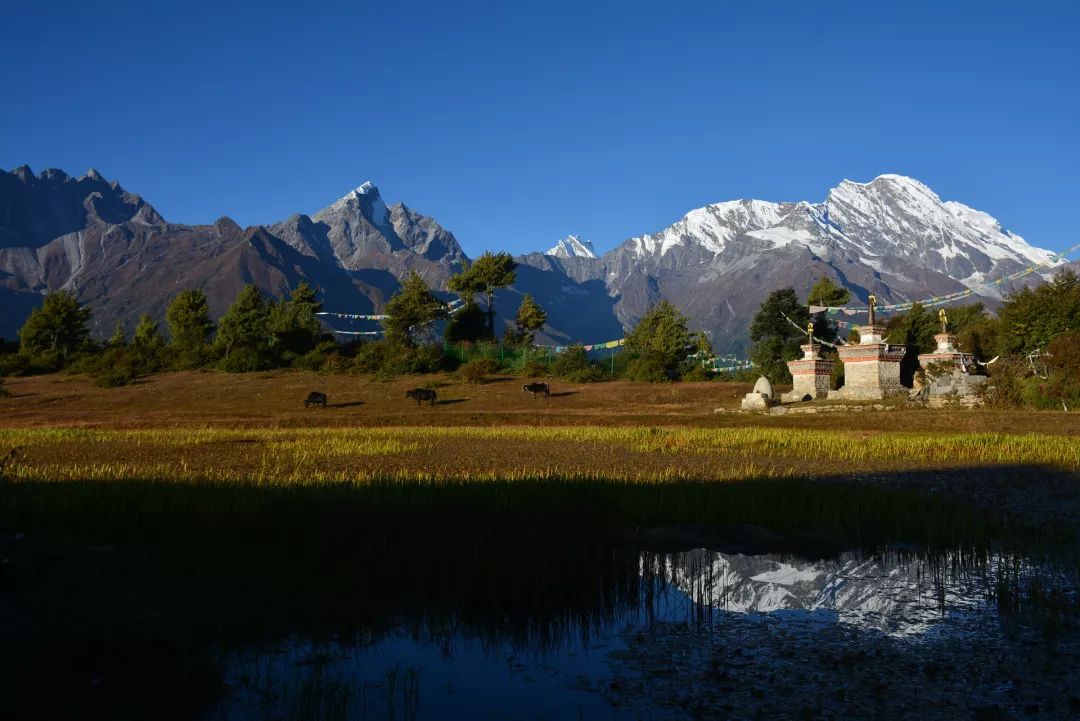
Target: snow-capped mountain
x,y
892,236
887,223
572,247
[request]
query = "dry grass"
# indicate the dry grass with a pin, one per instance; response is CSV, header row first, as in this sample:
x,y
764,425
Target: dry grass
x,y
275,400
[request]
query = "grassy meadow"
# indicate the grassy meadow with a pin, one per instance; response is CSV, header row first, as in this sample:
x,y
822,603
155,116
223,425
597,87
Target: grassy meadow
x,y
426,454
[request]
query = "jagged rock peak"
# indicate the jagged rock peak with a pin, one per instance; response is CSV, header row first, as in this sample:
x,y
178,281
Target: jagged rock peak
x,y
366,199
54,174
572,247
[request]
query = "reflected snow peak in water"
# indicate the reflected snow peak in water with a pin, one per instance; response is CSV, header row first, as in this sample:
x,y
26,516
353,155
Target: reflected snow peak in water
x,y
894,593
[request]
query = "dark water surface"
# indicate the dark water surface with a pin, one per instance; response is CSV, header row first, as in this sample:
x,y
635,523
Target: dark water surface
x,y
519,600
700,634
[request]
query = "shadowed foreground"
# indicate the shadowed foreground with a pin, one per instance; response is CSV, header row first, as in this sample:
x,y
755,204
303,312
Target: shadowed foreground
x,y
127,596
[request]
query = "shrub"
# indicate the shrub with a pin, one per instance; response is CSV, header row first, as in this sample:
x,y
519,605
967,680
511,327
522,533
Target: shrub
x,y
114,376
1063,354
1006,384
477,371
647,369
13,364
574,365
697,373
536,369
386,359
243,360
572,360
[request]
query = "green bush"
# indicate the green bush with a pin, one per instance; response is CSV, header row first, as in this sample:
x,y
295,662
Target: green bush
x,y
386,359
182,358
13,364
115,376
572,360
536,368
696,373
1007,383
243,360
648,370
477,371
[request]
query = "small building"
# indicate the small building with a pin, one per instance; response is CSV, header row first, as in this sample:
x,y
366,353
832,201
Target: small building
x,y
947,369
871,368
811,375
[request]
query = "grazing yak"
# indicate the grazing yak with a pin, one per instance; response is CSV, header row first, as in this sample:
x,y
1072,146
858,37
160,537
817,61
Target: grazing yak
x,y
537,388
315,398
421,395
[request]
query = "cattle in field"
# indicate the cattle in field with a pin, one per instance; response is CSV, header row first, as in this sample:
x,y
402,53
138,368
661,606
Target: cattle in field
x,y
421,395
537,388
315,398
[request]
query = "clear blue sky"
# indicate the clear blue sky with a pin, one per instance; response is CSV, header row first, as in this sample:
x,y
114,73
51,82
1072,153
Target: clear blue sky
x,y
515,123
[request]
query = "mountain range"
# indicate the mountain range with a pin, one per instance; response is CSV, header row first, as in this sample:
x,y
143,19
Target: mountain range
x,y
892,594
892,236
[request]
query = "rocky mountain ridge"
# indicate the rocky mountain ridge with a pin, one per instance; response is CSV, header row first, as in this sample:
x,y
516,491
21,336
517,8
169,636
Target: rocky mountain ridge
x,y
892,236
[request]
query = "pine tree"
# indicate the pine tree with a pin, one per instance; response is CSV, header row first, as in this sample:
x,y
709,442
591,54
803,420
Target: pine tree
x,y
826,292
530,318
294,323
487,274
411,311
147,336
468,324
245,327
119,337
775,339
56,330
188,317
661,342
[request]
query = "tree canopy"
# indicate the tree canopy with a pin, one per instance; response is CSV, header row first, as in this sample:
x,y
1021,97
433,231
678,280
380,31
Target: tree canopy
x,y
244,330
188,318
412,309
487,274
1031,318
57,329
294,325
529,319
468,324
775,340
661,341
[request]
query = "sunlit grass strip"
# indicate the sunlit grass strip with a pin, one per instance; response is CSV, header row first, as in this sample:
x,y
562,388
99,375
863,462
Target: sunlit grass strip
x,y
282,450
271,475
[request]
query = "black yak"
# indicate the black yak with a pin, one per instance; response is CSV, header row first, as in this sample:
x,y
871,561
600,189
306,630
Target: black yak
x,y
421,395
315,398
537,388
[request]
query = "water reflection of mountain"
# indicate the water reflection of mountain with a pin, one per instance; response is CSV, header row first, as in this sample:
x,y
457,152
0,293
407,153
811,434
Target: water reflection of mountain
x,y
893,593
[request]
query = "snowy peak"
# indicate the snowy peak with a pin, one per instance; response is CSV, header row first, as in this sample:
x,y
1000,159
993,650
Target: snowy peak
x,y
893,224
711,227
364,199
572,247
896,215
